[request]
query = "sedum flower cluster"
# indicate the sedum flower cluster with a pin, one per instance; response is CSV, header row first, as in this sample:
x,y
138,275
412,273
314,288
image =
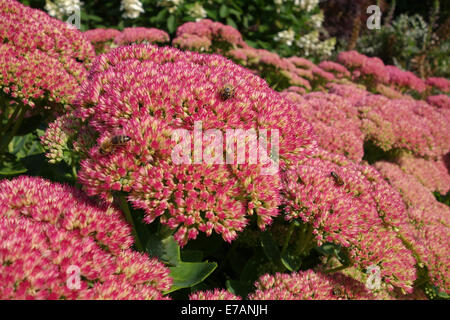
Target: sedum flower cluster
x,y
216,294
352,206
42,60
106,39
48,229
427,229
147,93
309,285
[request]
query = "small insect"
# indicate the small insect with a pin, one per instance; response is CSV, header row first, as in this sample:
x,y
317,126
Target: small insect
x,y
109,144
227,92
337,291
337,178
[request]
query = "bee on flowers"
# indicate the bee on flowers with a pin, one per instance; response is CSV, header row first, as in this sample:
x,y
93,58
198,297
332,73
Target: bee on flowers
x,y
109,145
337,178
337,291
227,92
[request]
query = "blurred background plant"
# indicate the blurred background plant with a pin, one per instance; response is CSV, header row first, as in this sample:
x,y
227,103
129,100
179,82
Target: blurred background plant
x,y
413,36
290,27
411,42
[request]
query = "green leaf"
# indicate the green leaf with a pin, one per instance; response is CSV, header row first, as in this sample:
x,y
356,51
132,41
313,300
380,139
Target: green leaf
x,y
231,22
23,146
212,14
292,262
270,248
161,16
171,24
329,249
236,13
10,165
166,249
189,274
223,11
239,288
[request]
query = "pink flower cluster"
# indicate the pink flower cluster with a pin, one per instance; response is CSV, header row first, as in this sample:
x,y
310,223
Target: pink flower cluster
x,y
216,294
351,205
441,101
141,35
441,84
202,34
206,35
309,285
427,229
146,93
400,123
46,228
434,175
101,35
337,69
106,39
405,80
372,71
102,39
41,58
334,120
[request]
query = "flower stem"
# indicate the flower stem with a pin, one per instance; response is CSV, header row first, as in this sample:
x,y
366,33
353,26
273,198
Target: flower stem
x,y
126,210
6,138
337,269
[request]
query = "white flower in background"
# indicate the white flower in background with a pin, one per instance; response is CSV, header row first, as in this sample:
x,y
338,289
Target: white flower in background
x,y
325,48
311,44
307,5
285,36
197,11
132,8
62,8
317,20
172,5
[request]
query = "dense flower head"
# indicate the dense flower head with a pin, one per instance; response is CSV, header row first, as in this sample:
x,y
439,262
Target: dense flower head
x,y
441,84
192,42
101,35
351,59
216,32
399,123
352,206
427,230
301,62
216,294
40,57
433,174
374,72
390,92
335,122
146,93
141,35
47,228
309,285
441,101
372,69
405,79
339,70
102,39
